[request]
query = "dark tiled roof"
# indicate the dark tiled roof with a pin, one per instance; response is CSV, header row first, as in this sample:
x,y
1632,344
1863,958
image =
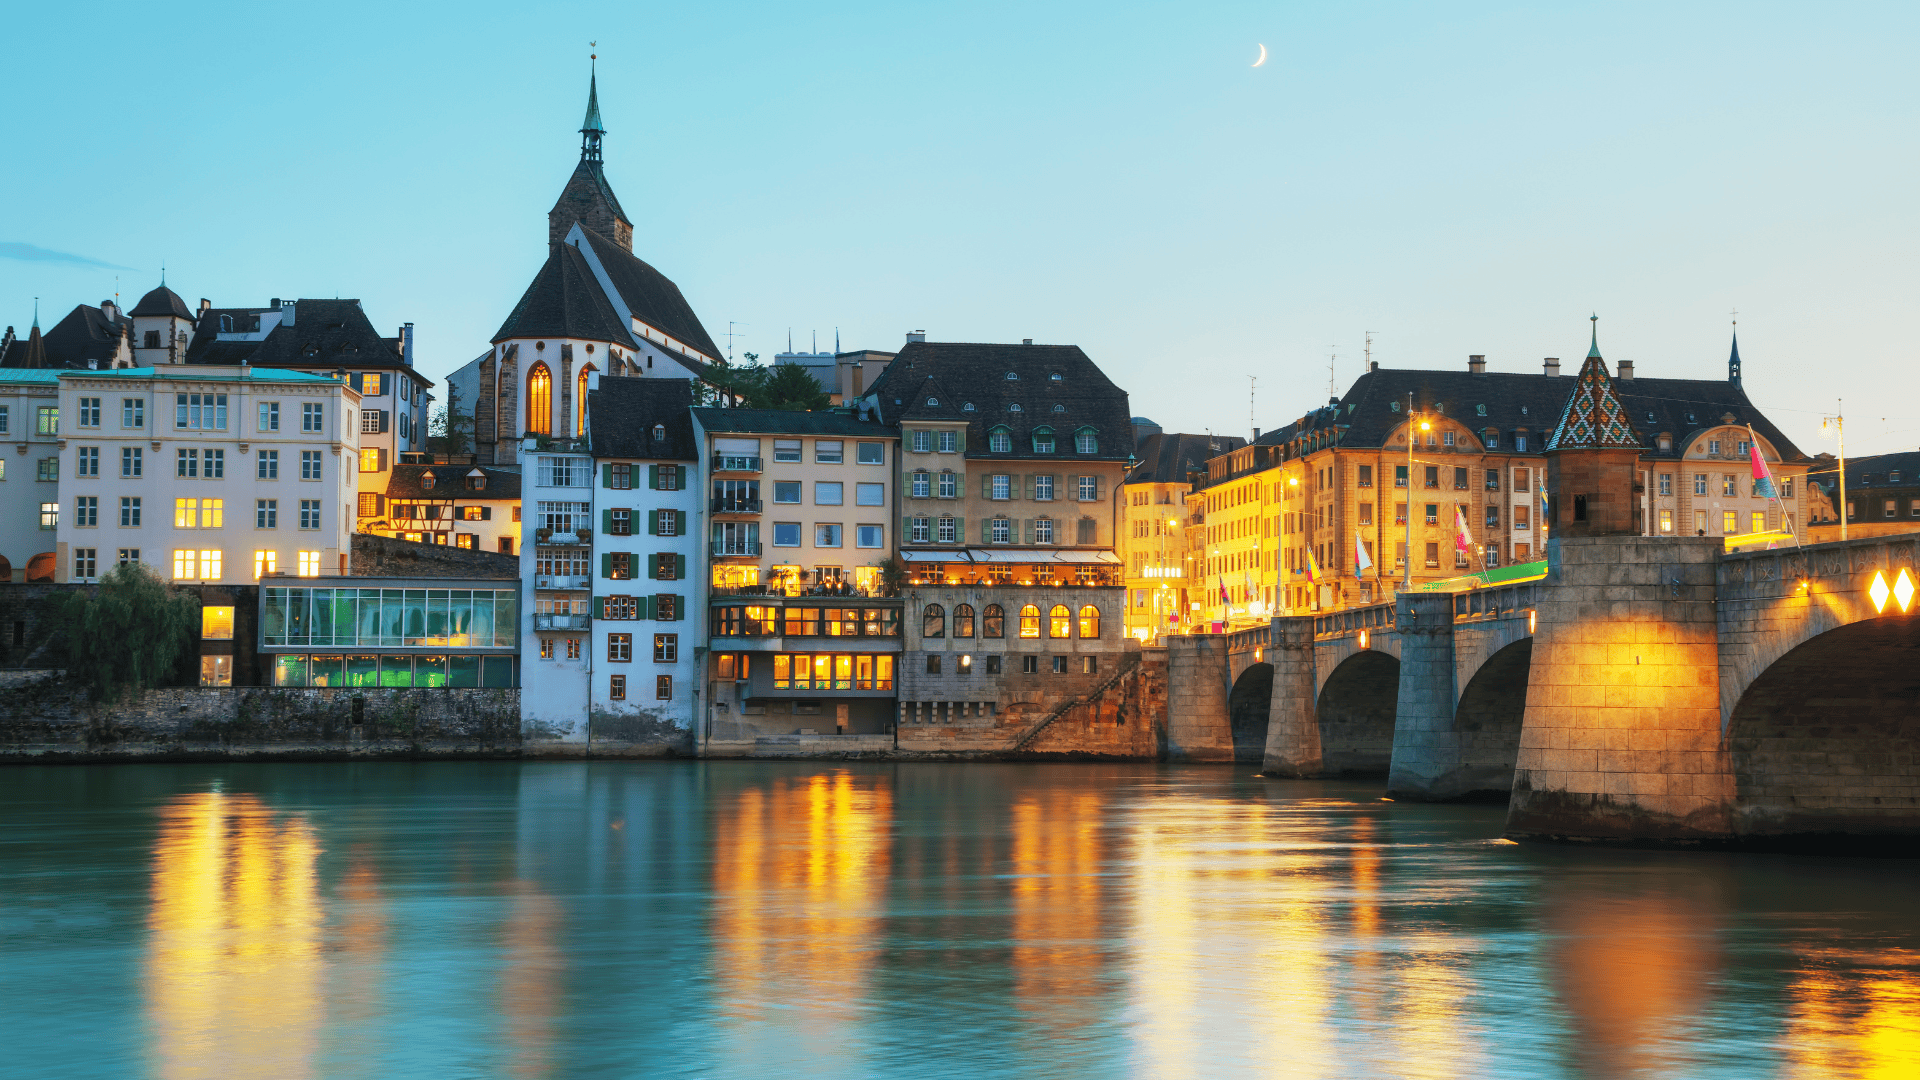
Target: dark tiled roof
x,y
162,301
31,353
622,412
649,294
565,300
326,334
781,422
977,375
86,334
1870,473
589,177
450,482
1167,458
1594,418
206,332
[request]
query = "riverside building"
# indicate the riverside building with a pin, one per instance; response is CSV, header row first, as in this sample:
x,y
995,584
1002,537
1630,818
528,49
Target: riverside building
x,y
1153,530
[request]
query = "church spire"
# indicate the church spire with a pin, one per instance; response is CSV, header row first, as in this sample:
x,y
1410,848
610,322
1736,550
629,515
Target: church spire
x,y
1593,350
1733,360
591,129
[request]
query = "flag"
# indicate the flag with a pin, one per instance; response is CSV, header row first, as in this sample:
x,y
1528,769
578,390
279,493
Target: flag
x,y
1313,567
1762,479
1462,539
1223,591
1361,563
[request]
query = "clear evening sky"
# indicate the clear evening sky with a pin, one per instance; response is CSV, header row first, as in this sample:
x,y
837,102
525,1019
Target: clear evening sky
x,y
1456,178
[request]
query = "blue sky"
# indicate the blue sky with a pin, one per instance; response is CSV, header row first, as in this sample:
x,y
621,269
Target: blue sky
x,y
1456,178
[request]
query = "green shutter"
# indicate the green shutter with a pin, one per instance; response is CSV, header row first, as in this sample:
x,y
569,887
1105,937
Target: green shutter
x,y
986,486
1099,488
680,567
1030,478
486,513
963,440
653,567
644,606
679,607
1026,529
679,522
653,477
606,522
606,565
986,530
653,523
606,476
599,607
960,529
1057,493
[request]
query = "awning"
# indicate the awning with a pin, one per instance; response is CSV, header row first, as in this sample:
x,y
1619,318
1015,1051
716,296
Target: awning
x,y
1041,555
934,556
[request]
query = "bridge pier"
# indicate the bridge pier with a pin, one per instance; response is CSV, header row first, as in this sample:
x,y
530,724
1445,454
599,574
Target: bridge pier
x,y
1199,681
1427,759
1293,723
1621,735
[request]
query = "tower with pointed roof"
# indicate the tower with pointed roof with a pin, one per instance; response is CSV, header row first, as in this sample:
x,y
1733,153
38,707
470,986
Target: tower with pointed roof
x,y
1733,359
162,328
1593,457
588,198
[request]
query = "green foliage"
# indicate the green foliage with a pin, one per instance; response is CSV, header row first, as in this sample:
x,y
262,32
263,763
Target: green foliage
x,y
128,635
735,381
791,388
451,425
892,575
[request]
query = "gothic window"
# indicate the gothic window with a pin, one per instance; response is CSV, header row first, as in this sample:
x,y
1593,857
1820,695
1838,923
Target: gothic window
x,y
540,400
580,400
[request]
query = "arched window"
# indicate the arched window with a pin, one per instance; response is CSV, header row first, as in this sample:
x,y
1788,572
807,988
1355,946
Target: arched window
x,y
1089,621
539,400
1029,621
963,620
993,621
1043,440
935,624
1059,622
1013,376
1000,441
580,400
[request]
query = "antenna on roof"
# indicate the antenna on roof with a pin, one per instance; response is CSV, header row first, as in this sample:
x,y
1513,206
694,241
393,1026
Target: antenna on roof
x,y
731,323
1368,366
1330,390
1252,417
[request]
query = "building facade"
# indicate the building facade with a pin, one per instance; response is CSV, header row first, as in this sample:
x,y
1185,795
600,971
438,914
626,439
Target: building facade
x,y
452,502
1153,529
1882,496
556,551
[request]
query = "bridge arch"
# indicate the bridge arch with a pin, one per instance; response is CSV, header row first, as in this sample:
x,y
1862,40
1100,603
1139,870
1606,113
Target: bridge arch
x,y
1355,710
1486,723
1248,707
1824,739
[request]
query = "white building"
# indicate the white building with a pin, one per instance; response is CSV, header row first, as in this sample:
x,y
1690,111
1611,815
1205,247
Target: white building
x,y
208,474
556,557
29,473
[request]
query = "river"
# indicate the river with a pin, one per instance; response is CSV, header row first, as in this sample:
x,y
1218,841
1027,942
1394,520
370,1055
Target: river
x,y
749,919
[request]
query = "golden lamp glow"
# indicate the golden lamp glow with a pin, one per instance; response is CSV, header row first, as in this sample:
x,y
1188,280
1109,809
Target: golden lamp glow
x,y
1903,590
1533,617
1363,639
1879,591
1259,655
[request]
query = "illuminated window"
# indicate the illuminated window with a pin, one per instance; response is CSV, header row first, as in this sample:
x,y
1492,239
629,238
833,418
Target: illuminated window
x,y
212,513
1089,621
209,564
309,564
1730,522
1059,622
617,687
1030,621
186,513
663,687
216,623
216,671
963,621
1759,521
580,400
265,562
540,400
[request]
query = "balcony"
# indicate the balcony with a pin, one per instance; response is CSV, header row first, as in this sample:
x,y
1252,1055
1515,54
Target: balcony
x,y
723,548
735,463
561,581
558,538
734,506
562,622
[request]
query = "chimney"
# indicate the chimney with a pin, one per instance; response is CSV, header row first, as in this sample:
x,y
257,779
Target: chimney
x,y
1256,434
276,303
916,335
1553,367
406,344
1026,341
286,312
1477,364
1373,365
204,305
108,308
1625,371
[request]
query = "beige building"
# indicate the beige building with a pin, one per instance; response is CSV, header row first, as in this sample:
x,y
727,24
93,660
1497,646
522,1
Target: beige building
x,y
1154,528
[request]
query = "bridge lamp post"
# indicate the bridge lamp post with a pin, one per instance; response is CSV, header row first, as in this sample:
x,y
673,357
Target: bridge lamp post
x,y
1836,427
1413,428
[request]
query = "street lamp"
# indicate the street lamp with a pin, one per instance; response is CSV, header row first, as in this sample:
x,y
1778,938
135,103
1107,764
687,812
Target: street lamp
x,y
1836,427
1412,436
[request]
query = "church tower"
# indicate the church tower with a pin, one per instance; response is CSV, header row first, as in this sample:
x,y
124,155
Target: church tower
x,y
1593,457
587,198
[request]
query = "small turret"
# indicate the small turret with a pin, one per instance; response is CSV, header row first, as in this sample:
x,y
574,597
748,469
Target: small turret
x,y
1733,360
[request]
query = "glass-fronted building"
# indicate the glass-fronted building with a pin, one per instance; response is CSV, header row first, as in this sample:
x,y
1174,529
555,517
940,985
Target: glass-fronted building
x,y
388,632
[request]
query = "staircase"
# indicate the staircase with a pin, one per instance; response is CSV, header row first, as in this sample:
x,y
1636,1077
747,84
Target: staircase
x,y
1046,721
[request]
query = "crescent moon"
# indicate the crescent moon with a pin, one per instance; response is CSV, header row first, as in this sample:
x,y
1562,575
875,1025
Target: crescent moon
x,y
1263,56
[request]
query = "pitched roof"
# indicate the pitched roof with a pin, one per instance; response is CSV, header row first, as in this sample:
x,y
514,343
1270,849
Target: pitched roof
x,y
34,356
206,332
86,334
1593,418
325,334
781,422
1167,458
622,412
162,301
1053,386
450,482
565,300
650,295
1874,472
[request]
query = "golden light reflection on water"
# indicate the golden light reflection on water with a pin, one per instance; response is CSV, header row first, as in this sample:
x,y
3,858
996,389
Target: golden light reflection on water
x,y
529,998
1057,909
233,972
1861,1023
800,875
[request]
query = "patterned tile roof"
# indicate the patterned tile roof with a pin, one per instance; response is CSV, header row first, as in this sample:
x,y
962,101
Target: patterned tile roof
x,y
1593,418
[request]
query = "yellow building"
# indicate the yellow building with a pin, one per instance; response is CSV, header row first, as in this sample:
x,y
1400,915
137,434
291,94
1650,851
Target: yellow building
x,y
1153,529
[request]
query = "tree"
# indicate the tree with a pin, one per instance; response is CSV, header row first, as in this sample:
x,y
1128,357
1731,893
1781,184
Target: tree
x,y
734,383
790,388
450,425
128,634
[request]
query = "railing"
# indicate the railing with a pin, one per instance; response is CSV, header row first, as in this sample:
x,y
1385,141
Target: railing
x,y
561,581
1371,617
777,592
736,547
735,463
566,539
734,506
562,622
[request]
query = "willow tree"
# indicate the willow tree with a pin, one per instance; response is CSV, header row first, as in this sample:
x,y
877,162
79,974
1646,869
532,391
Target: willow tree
x,y
128,634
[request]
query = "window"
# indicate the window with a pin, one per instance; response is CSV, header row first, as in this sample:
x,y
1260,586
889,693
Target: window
x,y
1089,621
1000,486
1001,531
663,687
1786,488
130,461
130,511
786,450
1043,440
786,491
1889,504
667,477
949,442
1030,621
186,463
215,464
1446,438
1713,447
870,494
1089,488
200,412
1433,556
1030,665
1000,441
562,472
89,411
617,687
829,451
1459,479
267,467
309,464
1493,516
923,442
620,648
87,461
309,513
265,562
1059,664
209,564
1085,442
871,453
993,623
546,648
539,400
828,493
922,485
1700,483
949,529
1433,513
1043,530
86,511
1366,476
619,522
666,648
1666,521
1059,622
186,513
1432,478
621,607
619,565
49,419
920,532
826,536
373,421
949,485
1043,488
933,623
1666,487
786,534
868,536
1730,522
133,413
186,563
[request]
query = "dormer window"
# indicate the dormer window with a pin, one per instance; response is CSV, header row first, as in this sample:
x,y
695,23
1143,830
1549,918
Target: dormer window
x,y
1691,420
1666,442
477,483
1523,410
1055,376
1059,408
1492,438
659,432
226,324
1480,410
1043,440
426,481
1893,477
933,402
1000,441
1015,407
1085,441
1013,376
1394,406
968,407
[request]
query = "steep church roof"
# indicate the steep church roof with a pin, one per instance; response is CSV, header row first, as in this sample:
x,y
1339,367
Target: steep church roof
x,y
162,301
651,296
1594,418
33,354
565,301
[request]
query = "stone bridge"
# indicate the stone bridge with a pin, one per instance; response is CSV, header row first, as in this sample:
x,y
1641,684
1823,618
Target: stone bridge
x,y
1649,688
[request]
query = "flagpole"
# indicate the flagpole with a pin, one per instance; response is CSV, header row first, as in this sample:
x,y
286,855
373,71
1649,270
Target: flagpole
x,y
1753,442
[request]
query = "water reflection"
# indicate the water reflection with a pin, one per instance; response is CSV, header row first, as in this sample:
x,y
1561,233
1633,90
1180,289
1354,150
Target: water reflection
x,y
233,974
1844,1021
